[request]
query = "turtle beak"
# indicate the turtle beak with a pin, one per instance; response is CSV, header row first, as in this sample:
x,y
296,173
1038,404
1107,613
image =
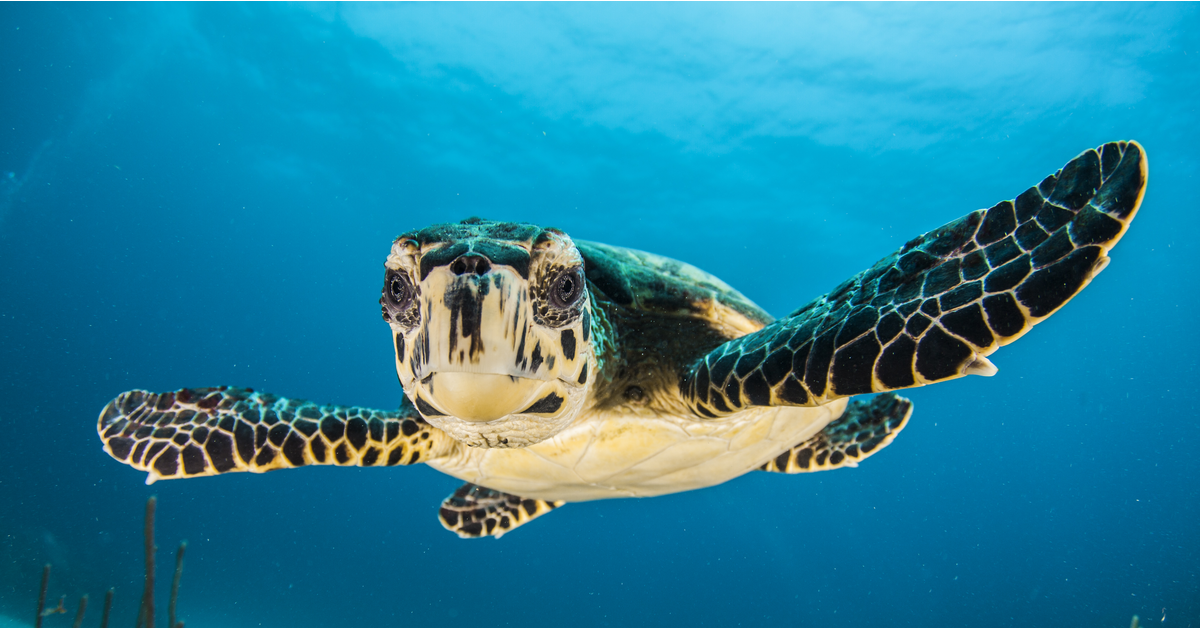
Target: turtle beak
x,y
477,356
486,397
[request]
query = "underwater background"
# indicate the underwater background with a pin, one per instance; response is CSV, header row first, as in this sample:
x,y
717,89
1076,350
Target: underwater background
x,y
199,195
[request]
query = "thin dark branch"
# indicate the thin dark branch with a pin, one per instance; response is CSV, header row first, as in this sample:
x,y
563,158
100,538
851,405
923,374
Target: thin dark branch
x,y
79,615
175,585
107,608
42,596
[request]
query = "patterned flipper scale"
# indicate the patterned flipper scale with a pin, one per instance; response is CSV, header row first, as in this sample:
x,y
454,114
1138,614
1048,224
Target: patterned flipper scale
x,y
201,432
936,307
474,511
863,430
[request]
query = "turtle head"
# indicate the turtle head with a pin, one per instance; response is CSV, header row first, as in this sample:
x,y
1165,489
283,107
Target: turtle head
x,y
492,329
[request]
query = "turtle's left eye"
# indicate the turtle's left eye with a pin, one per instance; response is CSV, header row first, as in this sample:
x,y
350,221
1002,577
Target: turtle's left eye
x,y
567,288
397,290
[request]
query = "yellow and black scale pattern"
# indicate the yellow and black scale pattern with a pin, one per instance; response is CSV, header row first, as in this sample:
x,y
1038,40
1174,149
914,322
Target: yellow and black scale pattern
x,y
926,312
200,432
474,511
864,429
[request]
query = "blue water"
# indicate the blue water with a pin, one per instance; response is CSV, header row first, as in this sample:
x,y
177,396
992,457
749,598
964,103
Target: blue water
x,y
195,195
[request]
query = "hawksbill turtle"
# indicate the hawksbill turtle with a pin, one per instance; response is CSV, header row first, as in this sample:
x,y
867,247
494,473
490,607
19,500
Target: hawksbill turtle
x,y
543,370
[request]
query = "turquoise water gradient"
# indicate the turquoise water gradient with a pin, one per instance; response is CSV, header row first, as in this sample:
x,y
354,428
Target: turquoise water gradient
x,y
195,195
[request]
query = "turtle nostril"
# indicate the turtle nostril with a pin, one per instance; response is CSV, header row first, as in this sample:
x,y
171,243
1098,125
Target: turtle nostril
x,y
470,264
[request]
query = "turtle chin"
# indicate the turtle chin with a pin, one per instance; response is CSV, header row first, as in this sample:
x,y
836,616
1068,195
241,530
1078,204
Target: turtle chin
x,y
496,410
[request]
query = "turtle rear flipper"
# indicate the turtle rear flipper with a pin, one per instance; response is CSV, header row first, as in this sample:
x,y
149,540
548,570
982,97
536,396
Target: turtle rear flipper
x,y
474,511
866,427
935,308
209,431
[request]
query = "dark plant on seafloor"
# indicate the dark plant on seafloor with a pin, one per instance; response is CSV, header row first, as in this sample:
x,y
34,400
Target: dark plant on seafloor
x,y
145,618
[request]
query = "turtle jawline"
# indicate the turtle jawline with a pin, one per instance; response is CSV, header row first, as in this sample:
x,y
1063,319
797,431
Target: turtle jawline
x,y
476,397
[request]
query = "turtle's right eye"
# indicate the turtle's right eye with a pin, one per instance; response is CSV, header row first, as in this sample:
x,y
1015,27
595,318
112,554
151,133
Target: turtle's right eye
x,y
397,290
567,288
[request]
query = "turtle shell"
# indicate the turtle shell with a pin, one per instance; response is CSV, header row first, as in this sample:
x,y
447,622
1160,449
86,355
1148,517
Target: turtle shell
x,y
658,285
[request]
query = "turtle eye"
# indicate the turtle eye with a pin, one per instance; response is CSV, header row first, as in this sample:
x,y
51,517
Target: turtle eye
x,y
567,288
397,289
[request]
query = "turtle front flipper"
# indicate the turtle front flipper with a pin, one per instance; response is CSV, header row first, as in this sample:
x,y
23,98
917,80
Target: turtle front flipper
x,y
201,432
474,511
934,309
866,427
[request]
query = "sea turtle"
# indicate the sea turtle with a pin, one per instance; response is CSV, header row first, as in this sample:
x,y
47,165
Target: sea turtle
x,y
543,370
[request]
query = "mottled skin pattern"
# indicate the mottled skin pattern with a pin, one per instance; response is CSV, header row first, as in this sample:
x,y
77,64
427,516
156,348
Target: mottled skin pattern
x,y
658,377
474,511
933,309
209,431
867,426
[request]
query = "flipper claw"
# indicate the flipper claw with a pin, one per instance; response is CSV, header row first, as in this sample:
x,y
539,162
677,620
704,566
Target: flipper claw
x,y
981,367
